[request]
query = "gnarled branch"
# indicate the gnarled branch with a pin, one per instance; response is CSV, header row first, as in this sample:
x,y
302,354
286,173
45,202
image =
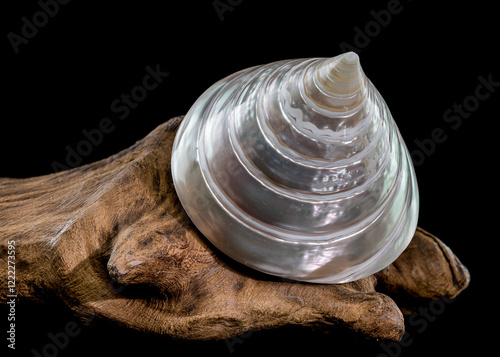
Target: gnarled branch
x,y
111,239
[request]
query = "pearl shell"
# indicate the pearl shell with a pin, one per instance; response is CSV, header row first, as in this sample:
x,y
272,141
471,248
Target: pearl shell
x,y
297,169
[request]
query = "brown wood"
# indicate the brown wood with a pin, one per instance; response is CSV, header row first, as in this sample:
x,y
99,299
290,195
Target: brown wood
x,y
110,239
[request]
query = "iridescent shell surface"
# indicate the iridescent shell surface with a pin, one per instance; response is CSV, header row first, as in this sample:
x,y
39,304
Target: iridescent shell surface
x,y
297,169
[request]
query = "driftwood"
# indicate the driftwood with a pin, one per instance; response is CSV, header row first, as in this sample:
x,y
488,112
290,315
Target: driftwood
x,y
110,239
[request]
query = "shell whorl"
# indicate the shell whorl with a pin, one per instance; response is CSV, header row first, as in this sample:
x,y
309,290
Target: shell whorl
x,y
297,169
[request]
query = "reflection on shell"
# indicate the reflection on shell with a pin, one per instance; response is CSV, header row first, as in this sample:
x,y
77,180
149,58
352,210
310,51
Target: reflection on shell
x,y
297,169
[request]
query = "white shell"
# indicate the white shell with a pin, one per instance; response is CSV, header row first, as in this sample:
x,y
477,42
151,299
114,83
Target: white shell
x,y
297,169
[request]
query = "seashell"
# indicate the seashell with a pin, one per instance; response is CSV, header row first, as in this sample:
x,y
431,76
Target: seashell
x,y
297,169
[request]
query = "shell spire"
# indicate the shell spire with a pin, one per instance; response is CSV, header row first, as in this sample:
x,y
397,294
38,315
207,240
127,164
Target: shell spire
x,y
342,74
297,169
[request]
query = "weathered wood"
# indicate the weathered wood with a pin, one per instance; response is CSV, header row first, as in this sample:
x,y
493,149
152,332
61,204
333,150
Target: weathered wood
x,y
111,240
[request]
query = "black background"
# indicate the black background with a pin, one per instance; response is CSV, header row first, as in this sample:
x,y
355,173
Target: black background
x,y
427,58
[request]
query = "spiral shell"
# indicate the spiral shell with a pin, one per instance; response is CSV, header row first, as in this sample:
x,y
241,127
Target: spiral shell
x,y
297,169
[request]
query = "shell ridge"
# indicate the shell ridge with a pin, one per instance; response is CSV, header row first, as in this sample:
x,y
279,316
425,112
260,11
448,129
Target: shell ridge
x,y
297,168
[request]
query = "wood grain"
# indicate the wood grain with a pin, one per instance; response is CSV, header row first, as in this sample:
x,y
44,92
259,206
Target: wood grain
x,y
111,240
